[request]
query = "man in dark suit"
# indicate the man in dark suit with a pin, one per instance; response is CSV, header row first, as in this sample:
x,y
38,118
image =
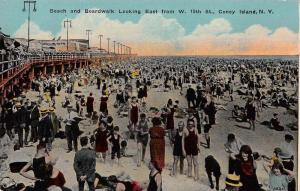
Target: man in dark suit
x,y
34,116
45,129
85,165
20,117
98,83
191,96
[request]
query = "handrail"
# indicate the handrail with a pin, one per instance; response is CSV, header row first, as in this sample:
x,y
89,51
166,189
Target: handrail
x,y
12,64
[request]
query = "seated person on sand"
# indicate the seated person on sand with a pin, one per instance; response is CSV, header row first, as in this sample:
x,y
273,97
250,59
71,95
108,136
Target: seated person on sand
x,y
275,124
66,102
17,159
5,147
82,100
264,101
269,161
239,114
45,174
235,112
179,111
114,183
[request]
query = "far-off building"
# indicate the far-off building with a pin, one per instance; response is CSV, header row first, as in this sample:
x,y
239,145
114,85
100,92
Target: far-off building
x,y
59,45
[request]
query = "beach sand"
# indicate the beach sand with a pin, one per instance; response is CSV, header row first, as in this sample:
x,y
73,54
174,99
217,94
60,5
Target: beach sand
x,y
262,140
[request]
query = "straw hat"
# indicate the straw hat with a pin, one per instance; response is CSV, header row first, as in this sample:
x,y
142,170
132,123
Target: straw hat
x,y
51,109
43,110
233,180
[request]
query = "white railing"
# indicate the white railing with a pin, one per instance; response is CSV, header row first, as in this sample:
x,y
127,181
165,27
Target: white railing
x,y
11,64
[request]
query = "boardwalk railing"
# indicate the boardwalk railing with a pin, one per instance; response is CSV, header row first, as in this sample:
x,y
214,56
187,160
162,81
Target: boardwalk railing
x,y
9,65
6,66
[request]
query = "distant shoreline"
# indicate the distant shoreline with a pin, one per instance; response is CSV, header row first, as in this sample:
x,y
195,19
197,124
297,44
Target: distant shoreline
x,y
229,56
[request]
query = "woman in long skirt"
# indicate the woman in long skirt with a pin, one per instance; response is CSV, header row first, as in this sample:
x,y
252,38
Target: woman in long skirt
x,y
103,103
157,143
101,145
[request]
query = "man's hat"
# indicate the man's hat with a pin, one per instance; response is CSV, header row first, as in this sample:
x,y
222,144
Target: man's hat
x,y
51,109
277,150
43,110
233,180
289,137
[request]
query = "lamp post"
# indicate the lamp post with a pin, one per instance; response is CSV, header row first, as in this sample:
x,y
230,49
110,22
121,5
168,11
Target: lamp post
x,y
121,48
68,23
88,32
100,36
108,45
118,47
29,10
114,47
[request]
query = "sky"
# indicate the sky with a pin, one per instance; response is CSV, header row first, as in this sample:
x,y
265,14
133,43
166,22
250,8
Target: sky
x,y
165,34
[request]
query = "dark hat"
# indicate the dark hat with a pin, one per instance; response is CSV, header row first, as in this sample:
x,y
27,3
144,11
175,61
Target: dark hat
x,y
123,143
277,150
289,137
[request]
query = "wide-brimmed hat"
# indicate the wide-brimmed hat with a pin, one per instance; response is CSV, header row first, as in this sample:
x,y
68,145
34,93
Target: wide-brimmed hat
x,y
289,137
233,180
43,110
51,109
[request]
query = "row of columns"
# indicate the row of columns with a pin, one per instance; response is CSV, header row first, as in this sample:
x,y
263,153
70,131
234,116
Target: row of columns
x,y
32,71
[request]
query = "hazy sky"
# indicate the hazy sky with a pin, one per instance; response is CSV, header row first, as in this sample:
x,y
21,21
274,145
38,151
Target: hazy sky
x,y
166,34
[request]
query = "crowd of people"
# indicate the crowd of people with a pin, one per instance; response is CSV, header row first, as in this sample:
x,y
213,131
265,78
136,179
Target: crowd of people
x,y
255,85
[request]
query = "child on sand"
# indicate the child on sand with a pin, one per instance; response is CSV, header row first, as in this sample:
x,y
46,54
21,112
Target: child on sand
x,y
115,141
